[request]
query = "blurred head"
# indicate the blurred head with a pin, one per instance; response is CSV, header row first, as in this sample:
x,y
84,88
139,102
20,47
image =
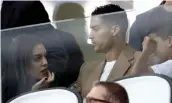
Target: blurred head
x,y
162,34
108,30
163,2
107,92
61,14
28,57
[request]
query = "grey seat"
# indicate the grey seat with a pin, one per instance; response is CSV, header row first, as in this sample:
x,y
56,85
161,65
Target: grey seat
x,y
148,89
56,95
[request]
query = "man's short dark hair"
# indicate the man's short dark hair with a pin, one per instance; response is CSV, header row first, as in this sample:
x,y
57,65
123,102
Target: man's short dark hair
x,y
118,16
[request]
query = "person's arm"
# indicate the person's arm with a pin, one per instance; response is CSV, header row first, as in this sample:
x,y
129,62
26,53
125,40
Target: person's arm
x,y
141,65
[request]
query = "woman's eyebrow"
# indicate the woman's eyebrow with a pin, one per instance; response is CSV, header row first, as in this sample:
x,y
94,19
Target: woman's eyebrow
x,y
37,55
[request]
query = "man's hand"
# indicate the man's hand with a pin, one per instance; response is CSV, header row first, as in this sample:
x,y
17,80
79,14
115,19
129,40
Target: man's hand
x,y
44,82
149,45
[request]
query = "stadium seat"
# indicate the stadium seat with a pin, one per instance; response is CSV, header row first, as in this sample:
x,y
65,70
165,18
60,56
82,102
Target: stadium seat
x,y
148,89
57,95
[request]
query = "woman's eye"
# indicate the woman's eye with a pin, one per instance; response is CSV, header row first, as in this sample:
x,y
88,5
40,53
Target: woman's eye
x,y
36,58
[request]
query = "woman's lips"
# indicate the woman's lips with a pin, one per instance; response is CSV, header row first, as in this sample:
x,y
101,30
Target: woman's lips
x,y
44,73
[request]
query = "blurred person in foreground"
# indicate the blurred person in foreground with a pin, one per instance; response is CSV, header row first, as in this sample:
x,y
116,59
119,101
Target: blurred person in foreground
x,y
108,36
27,67
107,92
157,51
145,22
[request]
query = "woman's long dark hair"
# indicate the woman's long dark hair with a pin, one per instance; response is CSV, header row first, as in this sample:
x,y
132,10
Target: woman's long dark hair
x,y
20,52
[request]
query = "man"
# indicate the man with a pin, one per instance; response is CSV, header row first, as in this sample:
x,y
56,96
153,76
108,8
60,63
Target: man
x,y
147,21
107,92
157,51
108,37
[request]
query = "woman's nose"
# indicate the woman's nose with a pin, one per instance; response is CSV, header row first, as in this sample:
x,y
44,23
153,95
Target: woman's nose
x,y
44,62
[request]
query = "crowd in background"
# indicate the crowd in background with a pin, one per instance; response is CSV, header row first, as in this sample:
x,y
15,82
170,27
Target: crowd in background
x,y
39,57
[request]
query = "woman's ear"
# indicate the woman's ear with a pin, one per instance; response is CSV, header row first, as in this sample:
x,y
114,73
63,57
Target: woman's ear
x,y
115,30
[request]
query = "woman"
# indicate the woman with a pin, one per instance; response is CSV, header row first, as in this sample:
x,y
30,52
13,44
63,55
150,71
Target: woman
x,y
27,67
107,92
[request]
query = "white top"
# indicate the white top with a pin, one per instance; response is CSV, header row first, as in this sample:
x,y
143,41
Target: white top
x,y
163,68
106,71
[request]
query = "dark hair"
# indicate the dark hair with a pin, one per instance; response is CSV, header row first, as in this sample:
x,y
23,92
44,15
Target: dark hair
x,y
163,30
119,16
20,52
115,92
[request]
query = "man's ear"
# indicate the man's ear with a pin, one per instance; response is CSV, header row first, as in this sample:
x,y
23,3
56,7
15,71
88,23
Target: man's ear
x,y
115,30
170,41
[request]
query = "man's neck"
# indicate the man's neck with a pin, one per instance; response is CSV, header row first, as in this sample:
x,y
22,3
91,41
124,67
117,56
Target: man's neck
x,y
114,53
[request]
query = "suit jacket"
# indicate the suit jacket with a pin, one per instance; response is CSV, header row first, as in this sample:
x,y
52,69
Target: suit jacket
x,y
91,71
145,23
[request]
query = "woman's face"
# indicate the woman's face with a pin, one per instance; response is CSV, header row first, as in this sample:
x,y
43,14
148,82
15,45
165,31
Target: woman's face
x,y
39,65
